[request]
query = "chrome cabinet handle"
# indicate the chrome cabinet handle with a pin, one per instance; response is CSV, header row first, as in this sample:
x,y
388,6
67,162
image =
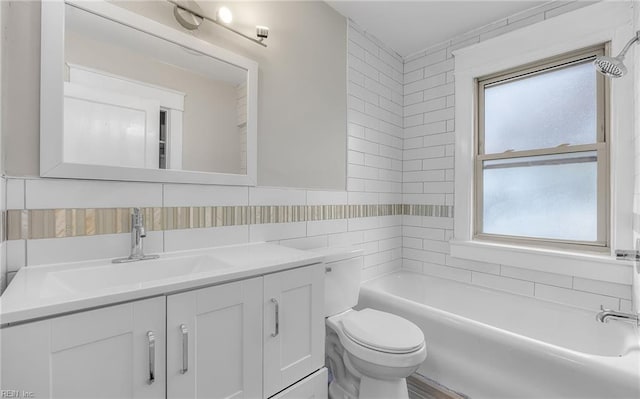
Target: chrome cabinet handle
x,y
185,348
275,334
151,338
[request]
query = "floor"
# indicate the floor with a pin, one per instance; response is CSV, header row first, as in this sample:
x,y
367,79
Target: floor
x,y
423,388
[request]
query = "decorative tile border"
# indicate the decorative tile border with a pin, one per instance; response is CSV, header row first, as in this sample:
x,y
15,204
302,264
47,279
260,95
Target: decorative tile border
x,y
59,223
442,211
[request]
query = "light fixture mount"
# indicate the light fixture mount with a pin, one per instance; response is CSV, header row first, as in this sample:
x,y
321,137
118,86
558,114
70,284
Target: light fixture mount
x,y
190,16
262,32
183,13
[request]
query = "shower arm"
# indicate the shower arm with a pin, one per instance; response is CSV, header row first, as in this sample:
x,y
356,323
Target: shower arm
x,y
627,46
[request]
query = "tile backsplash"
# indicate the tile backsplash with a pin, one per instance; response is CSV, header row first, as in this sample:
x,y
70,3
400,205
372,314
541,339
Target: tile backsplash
x,y
60,223
183,217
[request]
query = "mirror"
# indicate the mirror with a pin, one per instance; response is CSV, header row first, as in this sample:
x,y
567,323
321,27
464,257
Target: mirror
x,y
138,100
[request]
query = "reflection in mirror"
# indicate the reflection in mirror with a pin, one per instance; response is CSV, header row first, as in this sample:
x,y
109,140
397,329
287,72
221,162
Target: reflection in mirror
x,y
132,99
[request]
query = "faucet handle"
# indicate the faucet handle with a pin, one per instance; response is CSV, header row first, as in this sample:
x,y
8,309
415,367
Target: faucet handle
x,y
137,218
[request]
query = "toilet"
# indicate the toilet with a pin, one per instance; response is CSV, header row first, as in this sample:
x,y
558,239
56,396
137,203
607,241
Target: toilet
x,y
369,353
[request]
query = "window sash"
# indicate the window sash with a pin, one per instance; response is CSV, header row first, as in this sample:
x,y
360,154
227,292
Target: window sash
x,y
600,146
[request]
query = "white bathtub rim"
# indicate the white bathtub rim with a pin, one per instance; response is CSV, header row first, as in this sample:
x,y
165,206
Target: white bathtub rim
x,y
514,338
492,291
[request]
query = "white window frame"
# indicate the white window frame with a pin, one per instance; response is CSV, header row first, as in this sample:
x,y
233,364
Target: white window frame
x,y
604,22
600,146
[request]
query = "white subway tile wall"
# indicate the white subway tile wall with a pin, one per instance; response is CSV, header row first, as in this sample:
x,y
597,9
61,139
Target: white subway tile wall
x,y
16,254
428,177
14,194
375,151
179,240
62,193
74,249
203,195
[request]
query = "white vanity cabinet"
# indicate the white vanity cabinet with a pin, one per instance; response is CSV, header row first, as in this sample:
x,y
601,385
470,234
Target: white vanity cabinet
x,y
250,339
113,352
214,341
293,326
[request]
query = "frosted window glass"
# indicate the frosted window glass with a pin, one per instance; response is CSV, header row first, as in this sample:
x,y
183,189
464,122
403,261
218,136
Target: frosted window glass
x,y
551,196
541,111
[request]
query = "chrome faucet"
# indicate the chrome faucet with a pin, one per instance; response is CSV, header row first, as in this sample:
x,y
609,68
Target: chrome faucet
x,y
137,234
606,314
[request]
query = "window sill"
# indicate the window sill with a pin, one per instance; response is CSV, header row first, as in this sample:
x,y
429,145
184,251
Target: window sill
x,y
591,266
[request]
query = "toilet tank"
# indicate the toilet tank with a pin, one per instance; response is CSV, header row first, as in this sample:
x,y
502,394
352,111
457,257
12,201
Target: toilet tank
x,y
342,278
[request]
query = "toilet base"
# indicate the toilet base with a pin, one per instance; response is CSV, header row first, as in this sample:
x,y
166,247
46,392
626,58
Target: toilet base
x,y
383,389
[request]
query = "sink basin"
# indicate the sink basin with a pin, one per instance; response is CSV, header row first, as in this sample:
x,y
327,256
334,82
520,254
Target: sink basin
x,y
133,275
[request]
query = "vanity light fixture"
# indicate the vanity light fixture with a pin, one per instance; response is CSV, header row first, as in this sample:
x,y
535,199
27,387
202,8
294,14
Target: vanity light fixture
x,y
189,14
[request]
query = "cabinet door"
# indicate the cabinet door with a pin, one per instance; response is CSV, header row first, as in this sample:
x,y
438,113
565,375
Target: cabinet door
x,y
103,353
314,386
214,342
293,326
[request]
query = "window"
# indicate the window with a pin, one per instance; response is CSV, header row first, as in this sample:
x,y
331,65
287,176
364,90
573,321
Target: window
x,y
541,154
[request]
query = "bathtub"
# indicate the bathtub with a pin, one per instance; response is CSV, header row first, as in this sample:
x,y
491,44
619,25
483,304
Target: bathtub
x,y
488,344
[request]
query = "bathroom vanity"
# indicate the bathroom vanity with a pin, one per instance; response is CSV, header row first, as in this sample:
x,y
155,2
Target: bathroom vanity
x,y
240,321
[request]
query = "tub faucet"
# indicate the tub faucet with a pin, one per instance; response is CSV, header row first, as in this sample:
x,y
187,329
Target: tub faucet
x,y
137,234
606,314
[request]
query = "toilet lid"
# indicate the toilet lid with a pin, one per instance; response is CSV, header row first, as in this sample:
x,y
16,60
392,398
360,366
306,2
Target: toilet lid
x,y
384,332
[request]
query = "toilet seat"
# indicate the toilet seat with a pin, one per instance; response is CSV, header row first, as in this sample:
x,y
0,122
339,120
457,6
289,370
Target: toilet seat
x,y
383,332
369,354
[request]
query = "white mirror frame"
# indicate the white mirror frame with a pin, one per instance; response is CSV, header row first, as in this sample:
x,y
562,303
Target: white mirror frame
x,y
52,105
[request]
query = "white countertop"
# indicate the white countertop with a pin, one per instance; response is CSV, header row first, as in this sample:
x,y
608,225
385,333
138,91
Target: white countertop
x,y
44,291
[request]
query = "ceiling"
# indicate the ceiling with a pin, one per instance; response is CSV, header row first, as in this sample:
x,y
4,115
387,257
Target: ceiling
x,y
410,26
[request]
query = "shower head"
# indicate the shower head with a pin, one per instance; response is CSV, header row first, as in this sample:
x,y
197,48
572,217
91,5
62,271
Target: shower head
x,y
613,67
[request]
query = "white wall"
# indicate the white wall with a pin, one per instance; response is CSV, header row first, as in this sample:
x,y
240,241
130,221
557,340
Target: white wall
x,y
428,177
